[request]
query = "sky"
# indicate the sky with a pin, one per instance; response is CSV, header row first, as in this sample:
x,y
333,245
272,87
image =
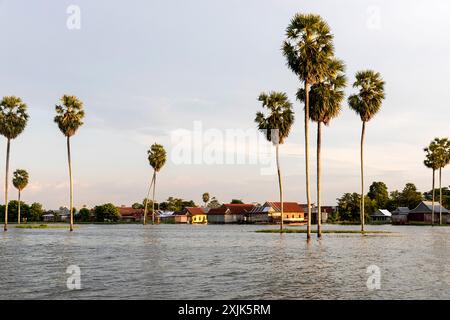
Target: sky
x,y
148,70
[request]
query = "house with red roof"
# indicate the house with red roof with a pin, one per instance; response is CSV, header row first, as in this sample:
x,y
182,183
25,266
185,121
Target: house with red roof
x,y
229,213
194,215
270,212
129,214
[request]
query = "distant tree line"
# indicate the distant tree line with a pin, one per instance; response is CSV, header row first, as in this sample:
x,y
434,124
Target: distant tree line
x,y
378,197
31,212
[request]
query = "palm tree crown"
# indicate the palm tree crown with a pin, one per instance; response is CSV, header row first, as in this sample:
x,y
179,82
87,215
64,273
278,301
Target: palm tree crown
x,y
430,158
157,156
308,47
13,117
20,179
280,117
371,93
326,96
438,153
69,115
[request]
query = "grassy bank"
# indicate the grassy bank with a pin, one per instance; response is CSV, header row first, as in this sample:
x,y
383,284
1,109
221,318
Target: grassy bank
x,y
324,231
41,226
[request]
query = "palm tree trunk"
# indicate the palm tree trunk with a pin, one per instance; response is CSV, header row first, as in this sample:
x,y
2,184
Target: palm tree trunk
x,y
432,201
308,191
440,196
146,199
18,210
362,175
6,184
71,183
153,199
280,184
319,212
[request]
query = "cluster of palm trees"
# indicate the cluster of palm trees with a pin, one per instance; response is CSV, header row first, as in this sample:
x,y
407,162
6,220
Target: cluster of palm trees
x,y
14,119
309,51
437,156
69,118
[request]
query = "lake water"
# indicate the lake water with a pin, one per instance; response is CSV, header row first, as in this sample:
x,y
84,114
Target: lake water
x,y
223,262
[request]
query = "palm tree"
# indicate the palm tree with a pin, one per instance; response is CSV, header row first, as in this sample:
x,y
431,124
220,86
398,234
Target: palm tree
x,y
308,48
430,162
325,104
439,150
157,159
20,181
13,120
69,117
276,125
366,104
205,198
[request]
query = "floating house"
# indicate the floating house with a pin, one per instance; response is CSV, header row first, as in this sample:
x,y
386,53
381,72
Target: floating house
x,y
270,212
229,213
381,215
326,211
129,214
423,212
49,217
195,215
173,217
259,215
400,215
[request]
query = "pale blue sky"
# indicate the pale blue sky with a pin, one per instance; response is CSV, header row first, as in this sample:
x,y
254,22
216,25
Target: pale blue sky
x,y
146,68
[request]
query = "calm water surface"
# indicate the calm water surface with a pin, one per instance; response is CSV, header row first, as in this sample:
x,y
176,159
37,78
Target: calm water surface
x,y
223,262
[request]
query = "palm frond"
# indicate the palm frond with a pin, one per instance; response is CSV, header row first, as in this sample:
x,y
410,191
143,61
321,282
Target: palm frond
x,y
157,156
13,117
277,124
69,115
367,102
20,179
308,47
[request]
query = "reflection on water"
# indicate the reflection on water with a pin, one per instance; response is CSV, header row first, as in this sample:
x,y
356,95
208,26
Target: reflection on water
x,y
223,262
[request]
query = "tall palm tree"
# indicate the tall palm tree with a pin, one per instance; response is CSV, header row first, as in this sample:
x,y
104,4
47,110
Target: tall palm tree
x,y
13,120
20,181
205,198
366,104
69,117
325,104
430,162
157,158
308,48
440,154
276,125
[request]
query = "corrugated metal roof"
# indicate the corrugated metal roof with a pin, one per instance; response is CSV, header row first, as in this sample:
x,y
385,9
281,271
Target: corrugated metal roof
x,y
382,212
426,207
401,210
287,206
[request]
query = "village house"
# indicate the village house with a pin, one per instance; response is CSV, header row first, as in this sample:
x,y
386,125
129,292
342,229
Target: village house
x,y
173,217
128,214
229,213
423,212
400,215
258,215
60,215
194,215
326,211
381,216
270,212
49,217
